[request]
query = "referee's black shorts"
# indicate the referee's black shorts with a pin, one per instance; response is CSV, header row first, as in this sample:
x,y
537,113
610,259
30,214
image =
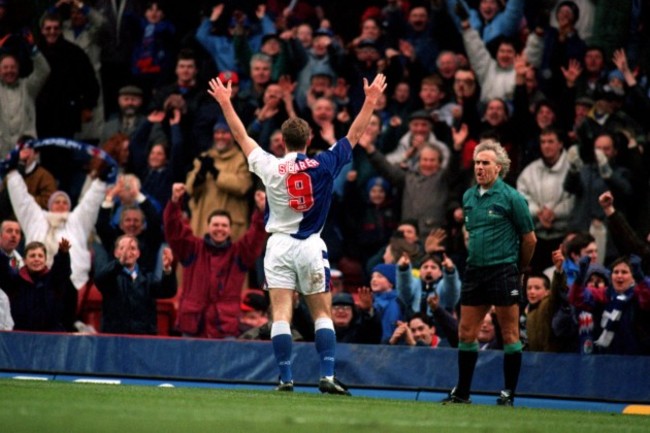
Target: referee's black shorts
x,y
491,285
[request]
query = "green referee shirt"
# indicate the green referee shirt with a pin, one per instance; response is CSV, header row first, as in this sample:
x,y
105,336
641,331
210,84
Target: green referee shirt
x,y
495,222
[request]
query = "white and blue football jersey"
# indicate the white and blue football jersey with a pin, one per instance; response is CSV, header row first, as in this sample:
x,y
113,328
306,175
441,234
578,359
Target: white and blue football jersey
x,y
298,188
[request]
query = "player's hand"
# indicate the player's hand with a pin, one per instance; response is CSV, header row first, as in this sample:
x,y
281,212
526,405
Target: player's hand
x,y
219,92
178,190
376,88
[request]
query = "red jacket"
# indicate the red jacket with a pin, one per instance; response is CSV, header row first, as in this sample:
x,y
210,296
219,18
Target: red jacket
x,y
213,276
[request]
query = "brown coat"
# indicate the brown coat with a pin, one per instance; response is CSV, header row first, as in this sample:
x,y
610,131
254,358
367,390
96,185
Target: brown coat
x,y
538,322
227,192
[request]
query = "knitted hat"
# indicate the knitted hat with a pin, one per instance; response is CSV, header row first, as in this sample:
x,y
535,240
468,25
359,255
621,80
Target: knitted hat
x,y
388,271
54,195
378,180
220,125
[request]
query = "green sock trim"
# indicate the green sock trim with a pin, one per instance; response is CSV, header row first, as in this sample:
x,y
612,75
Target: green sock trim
x,y
511,348
469,347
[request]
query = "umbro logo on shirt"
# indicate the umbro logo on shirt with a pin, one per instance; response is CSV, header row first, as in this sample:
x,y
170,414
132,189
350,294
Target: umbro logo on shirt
x,y
514,292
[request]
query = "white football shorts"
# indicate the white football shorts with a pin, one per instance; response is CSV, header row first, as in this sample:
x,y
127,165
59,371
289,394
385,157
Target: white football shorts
x,y
297,264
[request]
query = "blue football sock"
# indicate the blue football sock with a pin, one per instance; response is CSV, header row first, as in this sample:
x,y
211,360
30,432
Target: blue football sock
x,y
325,340
282,347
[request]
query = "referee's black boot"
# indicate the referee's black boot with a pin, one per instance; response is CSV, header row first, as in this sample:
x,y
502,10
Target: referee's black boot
x,y
453,398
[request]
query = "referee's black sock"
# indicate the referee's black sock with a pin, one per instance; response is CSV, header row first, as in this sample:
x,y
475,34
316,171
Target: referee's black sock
x,y
511,365
467,357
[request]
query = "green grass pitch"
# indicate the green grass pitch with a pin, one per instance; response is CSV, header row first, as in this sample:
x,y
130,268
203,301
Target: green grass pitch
x,y
44,407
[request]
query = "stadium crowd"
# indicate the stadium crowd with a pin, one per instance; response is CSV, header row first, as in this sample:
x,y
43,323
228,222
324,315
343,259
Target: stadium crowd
x,y
170,208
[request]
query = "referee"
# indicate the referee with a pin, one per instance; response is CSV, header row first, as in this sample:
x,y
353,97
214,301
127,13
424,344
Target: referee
x,y
501,244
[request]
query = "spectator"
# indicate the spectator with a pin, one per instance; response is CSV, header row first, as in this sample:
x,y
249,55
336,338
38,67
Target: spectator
x,y
185,95
551,324
416,332
9,239
83,28
551,49
491,20
220,46
59,221
437,278
590,180
628,242
138,217
66,101
488,334
370,219
496,77
272,45
537,289
254,321
616,303
129,118
277,107
325,55
432,95
215,267
356,324
447,64
18,95
386,302
71,91
129,293
251,96
420,132
429,179
118,38
325,125
550,206
595,74
254,307
39,181
220,180
36,292
158,165
152,59
584,20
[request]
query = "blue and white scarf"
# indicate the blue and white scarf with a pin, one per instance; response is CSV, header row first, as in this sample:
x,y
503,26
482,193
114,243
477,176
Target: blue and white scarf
x,y
612,316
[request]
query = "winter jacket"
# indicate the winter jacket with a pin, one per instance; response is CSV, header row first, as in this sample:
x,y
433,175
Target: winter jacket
x,y
128,304
36,298
213,275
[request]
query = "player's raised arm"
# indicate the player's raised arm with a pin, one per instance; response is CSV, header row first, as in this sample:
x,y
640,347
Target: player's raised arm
x,y
222,95
373,91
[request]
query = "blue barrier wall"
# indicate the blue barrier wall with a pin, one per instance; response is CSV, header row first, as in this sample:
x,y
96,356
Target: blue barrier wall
x,y
610,378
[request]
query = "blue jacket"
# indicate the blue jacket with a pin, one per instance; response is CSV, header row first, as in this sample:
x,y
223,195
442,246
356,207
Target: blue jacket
x,y
415,297
505,23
